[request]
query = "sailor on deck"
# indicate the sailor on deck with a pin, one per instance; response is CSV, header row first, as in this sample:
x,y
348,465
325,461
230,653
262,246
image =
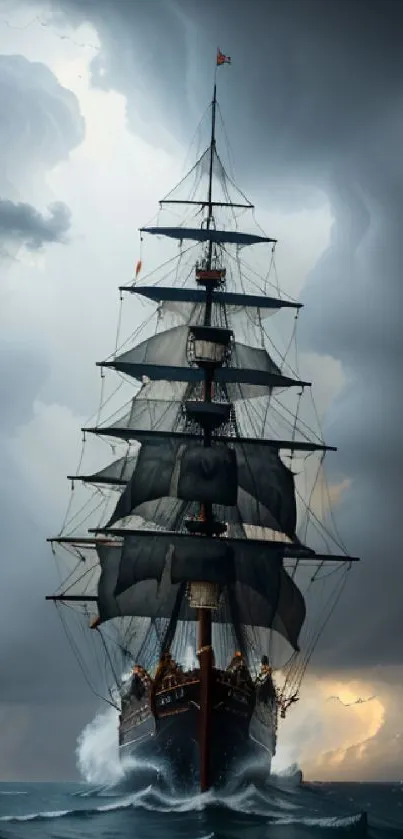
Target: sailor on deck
x,y
265,669
238,669
165,666
140,682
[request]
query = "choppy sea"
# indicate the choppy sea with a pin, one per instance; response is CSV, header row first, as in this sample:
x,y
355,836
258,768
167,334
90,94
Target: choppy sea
x,y
138,801
280,811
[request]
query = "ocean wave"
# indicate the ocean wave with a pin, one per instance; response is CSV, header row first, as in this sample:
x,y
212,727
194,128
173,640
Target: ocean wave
x,y
31,817
60,814
321,822
275,808
327,821
94,792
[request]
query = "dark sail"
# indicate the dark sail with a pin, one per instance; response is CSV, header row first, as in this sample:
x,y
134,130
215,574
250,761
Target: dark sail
x,y
164,468
291,610
249,561
116,473
153,569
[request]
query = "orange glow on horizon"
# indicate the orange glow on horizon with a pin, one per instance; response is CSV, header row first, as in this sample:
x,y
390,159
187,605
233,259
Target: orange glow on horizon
x,y
329,733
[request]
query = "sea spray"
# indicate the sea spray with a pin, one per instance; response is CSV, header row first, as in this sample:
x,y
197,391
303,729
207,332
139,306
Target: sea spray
x,y
100,764
98,750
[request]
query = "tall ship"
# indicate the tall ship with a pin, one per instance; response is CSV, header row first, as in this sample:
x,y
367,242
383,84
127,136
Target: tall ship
x,y
203,565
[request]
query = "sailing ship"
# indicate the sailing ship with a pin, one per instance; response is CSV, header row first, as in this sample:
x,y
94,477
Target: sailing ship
x,y
194,581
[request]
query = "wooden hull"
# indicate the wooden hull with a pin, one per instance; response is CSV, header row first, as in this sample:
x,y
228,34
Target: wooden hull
x,y
165,729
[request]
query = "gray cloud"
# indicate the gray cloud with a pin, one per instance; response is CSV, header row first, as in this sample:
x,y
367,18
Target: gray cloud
x,y
22,223
41,122
139,51
320,92
27,658
23,372
26,754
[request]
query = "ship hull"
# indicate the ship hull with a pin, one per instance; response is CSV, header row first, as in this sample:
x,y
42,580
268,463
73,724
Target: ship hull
x,y
163,730
173,745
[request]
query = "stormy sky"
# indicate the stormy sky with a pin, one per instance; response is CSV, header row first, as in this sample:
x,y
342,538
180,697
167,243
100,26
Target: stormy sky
x,y
102,98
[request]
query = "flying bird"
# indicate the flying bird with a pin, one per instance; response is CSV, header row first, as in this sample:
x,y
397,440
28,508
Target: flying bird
x,y
358,701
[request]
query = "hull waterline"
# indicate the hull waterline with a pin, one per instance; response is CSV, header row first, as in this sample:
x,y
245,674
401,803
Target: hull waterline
x,y
164,728
174,746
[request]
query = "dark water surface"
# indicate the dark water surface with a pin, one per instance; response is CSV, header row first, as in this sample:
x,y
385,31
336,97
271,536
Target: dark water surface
x,y
281,810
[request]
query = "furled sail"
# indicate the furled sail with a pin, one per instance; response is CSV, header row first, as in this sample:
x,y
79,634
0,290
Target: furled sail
x,y
204,234
232,301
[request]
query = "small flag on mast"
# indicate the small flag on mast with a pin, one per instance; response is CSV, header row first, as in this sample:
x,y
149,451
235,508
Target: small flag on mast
x,y
222,59
138,268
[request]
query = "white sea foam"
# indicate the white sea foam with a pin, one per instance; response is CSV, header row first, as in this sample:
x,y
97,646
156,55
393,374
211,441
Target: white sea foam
x,y
97,750
29,817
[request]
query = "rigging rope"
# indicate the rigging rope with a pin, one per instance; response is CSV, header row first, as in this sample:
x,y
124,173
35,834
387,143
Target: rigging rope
x,y
79,661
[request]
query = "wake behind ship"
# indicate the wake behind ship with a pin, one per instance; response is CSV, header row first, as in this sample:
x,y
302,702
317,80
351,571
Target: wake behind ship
x,y
199,581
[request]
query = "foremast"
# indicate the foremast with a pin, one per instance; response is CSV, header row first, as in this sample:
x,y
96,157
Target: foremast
x,y
204,595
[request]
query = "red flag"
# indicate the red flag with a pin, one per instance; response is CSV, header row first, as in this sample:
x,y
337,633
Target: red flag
x,y
222,59
138,268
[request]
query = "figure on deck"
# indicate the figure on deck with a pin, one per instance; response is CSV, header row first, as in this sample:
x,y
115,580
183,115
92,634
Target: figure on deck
x,y
265,669
140,683
238,669
167,669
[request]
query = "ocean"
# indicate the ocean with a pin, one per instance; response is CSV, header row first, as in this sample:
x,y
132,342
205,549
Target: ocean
x,y
282,810
134,800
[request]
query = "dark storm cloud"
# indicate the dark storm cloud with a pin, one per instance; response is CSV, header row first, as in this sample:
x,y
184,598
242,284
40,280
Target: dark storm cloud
x,y
140,44
313,101
24,224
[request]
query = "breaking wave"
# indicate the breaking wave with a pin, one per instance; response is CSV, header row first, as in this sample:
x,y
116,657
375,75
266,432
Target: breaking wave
x,y
99,762
97,750
141,785
149,799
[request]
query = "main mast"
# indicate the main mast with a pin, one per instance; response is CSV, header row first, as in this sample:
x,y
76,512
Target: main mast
x,y
205,649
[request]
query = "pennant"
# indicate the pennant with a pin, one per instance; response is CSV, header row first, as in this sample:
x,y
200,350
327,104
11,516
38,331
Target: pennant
x,y
222,59
138,268
94,624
